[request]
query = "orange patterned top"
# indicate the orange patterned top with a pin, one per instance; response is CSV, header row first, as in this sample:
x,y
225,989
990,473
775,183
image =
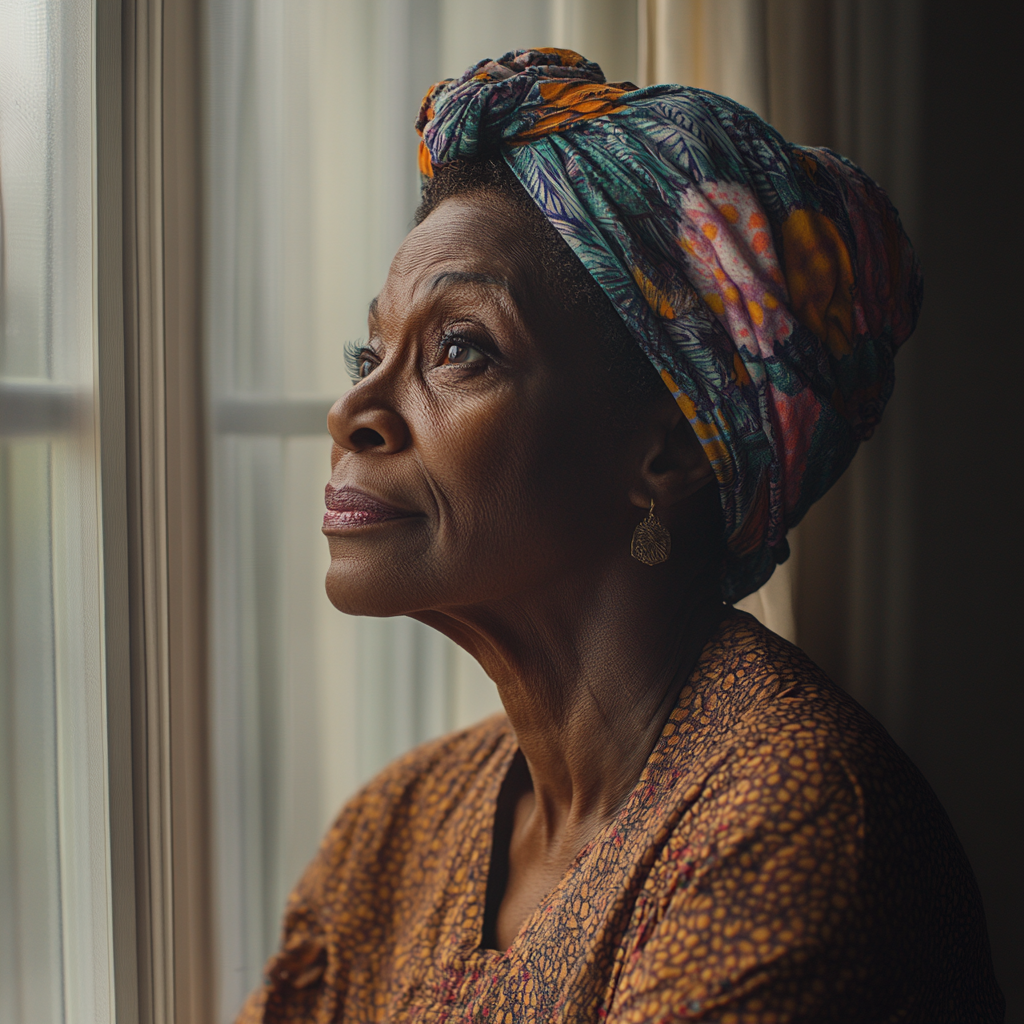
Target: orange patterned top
x,y
780,859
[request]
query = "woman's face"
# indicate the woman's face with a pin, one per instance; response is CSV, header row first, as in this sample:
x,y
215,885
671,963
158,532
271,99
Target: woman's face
x,y
471,460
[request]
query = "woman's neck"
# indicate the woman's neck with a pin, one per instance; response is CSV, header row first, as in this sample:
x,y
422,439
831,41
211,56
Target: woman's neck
x,y
588,672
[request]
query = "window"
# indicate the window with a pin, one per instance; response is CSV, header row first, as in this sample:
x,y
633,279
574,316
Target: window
x,y
56,960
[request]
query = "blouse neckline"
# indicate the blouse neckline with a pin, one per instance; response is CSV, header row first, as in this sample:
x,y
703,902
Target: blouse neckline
x,y
480,837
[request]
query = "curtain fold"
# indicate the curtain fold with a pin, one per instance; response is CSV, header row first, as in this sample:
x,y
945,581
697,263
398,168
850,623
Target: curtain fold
x,y
713,44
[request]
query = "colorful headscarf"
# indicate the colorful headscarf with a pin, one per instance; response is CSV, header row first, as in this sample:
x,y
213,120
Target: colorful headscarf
x,y
769,284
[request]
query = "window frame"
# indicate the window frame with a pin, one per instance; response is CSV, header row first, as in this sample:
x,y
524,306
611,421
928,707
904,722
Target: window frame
x,y
152,440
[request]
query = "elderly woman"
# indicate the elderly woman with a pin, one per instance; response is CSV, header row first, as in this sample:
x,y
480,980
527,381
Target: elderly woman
x,y
633,336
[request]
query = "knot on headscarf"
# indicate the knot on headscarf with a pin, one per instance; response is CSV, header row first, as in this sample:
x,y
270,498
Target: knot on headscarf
x,y
514,99
769,284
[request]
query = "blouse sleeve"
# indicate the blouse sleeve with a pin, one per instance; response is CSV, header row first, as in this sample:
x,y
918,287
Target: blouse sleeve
x,y
293,987
337,939
748,917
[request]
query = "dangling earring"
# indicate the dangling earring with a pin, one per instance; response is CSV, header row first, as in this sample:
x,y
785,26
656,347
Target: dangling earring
x,y
651,541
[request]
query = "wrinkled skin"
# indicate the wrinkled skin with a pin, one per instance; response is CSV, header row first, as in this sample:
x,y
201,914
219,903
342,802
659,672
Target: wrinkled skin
x,y
484,412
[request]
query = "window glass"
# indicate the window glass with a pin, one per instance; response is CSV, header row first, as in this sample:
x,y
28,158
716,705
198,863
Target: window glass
x,y
54,935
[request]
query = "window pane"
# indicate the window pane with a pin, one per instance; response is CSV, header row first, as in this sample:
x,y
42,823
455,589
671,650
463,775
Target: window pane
x,y
54,937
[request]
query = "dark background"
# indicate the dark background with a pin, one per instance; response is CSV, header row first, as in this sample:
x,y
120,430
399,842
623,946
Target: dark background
x,y
967,629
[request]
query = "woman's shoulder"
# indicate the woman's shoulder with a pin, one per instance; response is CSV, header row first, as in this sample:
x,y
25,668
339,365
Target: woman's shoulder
x,y
439,763
799,839
410,798
755,687
771,754
769,714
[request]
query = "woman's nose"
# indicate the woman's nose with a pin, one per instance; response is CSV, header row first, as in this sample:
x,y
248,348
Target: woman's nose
x,y
359,423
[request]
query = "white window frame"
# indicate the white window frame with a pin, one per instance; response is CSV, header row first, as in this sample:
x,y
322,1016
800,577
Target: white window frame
x,y
152,441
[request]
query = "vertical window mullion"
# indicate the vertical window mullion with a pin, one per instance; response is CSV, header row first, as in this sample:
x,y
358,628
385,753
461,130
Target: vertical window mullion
x,y
165,486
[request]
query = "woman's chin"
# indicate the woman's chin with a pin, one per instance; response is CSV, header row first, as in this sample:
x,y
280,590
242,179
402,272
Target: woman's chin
x,y
370,572
354,596
378,590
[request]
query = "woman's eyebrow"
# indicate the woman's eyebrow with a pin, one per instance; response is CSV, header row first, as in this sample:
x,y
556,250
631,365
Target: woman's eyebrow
x,y
465,277
454,277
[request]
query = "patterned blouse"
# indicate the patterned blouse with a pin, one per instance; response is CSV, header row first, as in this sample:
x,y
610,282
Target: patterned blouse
x,y
779,860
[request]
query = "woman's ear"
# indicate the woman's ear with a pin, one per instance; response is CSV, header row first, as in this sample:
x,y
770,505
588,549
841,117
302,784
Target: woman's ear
x,y
674,465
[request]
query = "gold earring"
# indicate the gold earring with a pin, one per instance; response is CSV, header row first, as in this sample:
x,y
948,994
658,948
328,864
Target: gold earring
x,y
651,541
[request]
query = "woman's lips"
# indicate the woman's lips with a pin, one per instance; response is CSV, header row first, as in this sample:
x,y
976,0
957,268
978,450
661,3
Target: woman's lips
x,y
348,508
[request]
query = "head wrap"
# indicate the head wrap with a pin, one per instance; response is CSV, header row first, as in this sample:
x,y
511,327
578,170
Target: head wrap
x,y
769,284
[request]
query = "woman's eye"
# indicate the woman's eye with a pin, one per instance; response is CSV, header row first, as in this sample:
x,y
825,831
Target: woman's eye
x,y
461,354
359,361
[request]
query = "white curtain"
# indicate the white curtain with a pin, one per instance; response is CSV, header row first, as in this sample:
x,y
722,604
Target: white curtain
x,y
55,939
713,44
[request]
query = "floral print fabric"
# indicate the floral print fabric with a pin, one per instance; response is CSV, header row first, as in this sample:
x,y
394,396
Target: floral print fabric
x,y
769,284
779,861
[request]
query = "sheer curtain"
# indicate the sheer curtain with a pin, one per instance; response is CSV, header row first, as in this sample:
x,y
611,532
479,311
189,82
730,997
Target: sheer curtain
x,y
55,937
